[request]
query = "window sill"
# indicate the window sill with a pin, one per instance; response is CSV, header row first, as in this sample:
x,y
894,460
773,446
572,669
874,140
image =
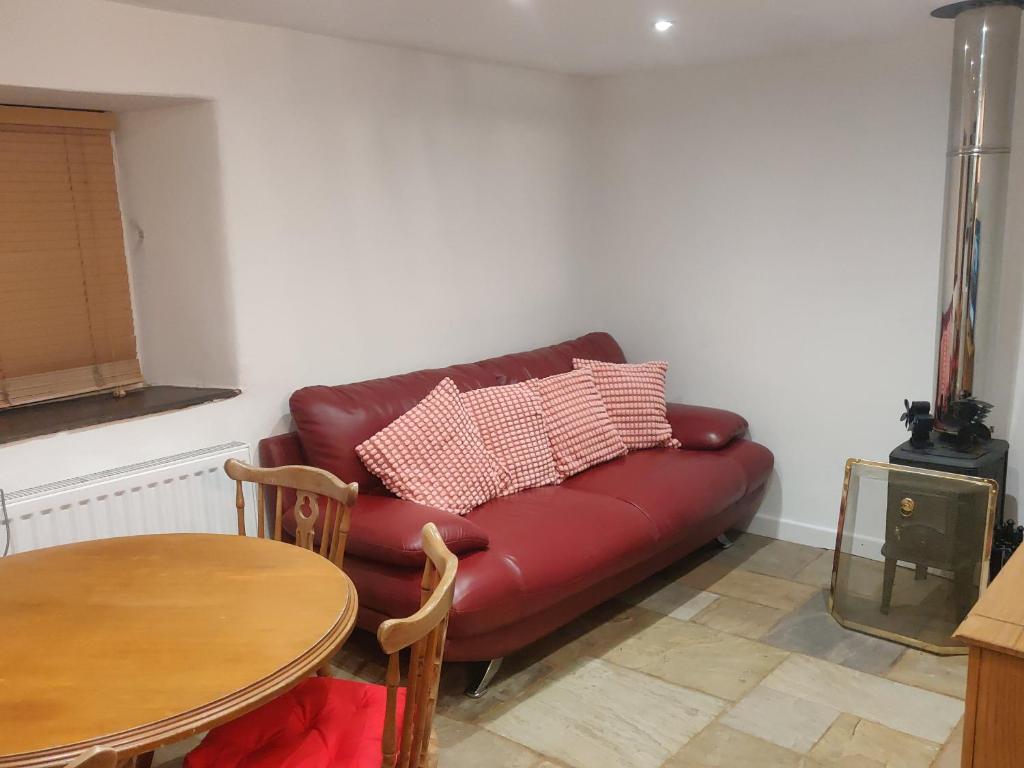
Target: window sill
x,y
41,419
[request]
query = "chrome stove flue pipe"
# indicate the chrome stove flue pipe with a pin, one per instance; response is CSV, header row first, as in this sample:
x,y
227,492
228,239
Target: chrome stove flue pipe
x,y
986,39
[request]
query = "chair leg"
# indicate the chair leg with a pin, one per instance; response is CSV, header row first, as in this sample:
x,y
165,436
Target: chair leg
x,y
723,541
888,577
432,750
480,677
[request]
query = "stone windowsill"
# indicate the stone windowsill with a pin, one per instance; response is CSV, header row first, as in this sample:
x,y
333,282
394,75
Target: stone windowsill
x,y
40,419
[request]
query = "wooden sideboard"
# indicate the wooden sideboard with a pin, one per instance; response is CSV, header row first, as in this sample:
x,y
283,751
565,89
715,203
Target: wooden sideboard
x,y
994,634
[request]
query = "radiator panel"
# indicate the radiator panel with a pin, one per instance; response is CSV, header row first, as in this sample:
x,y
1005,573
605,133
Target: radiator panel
x,y
188,492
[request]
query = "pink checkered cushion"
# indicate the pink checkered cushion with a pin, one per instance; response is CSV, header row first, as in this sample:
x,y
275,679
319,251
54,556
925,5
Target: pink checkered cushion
x,y
634,394
511,423
580,430
434,455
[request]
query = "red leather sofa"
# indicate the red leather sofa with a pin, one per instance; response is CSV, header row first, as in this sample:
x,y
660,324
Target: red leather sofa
x,y
532,561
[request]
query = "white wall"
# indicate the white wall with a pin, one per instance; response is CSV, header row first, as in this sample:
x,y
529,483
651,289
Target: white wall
x,y
169,177
772,228
380,210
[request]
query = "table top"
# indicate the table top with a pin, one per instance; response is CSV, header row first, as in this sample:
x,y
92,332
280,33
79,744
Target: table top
x,y
137,642
997,620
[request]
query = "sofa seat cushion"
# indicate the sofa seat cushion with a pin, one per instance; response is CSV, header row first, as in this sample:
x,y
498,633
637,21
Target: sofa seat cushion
x,y
676,489
546,544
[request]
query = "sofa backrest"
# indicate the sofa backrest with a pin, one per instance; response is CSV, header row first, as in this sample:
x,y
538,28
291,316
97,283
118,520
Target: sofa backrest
x,y
332,421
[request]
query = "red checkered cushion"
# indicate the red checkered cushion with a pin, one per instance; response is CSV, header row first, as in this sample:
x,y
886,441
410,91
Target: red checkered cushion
x,y
511,423
434,455
634,394
580,430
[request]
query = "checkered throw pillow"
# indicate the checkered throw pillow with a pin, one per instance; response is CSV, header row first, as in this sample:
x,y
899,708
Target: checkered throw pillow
x,y
580,430
634,394
511,423
434,455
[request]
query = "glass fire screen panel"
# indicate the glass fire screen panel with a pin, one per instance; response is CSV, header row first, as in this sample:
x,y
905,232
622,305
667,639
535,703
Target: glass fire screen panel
x,y
912,552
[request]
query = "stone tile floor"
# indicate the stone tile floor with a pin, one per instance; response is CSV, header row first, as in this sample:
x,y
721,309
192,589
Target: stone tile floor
x,y
728,658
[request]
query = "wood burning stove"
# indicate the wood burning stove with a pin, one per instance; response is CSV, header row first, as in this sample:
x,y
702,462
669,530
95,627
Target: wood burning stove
x,y
914,541
985,52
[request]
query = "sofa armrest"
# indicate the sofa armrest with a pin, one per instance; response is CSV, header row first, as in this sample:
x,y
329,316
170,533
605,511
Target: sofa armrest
x,y
281,450
388,530
706,429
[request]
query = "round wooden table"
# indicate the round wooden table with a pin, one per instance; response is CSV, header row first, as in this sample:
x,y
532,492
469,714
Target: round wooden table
x,y
137,642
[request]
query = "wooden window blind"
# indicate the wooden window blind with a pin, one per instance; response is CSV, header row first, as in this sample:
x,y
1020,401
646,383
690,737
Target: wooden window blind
x,y
66,325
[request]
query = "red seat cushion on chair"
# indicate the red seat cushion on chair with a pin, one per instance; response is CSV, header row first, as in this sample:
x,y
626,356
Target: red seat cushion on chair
x,y
322,723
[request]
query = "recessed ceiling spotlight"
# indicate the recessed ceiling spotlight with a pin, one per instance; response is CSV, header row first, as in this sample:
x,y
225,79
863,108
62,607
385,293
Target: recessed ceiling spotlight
x,y
663,25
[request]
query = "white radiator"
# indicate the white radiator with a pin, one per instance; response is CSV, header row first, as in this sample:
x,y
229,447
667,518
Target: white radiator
x,y
186,492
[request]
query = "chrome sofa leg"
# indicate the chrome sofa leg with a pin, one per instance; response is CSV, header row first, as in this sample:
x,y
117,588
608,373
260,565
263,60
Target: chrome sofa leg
x,y
723,541
481,677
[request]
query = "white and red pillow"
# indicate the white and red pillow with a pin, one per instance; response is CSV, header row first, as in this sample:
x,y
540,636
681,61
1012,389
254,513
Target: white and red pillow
x,y
434,455
634,394
511,422
580,430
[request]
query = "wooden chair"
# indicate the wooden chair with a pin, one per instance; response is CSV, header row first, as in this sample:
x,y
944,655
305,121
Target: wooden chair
x,y
424,633
95,758
407,740
309,485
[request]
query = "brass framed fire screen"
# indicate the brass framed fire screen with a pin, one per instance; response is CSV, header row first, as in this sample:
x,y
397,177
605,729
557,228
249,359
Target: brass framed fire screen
x,y
912,552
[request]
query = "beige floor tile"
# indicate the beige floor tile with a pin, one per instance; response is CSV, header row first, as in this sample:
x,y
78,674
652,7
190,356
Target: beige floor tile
x,y
512,680
739,617
173,755
949,756
701,575
720,747
696,656
812,631
597,638
465,746
851,738
360,658
598,715
753,587
942,674
819,572
780,718
674,599
864,576
772,557
924,714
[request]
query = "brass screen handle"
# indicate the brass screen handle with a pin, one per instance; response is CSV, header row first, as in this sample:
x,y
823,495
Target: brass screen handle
x,y
907,506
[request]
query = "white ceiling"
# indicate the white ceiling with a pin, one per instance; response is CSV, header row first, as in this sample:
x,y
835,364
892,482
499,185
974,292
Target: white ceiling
x,y
583,36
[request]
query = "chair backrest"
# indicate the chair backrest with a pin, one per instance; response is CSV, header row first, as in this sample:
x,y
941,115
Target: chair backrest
x,y
310,485
424,632
96,757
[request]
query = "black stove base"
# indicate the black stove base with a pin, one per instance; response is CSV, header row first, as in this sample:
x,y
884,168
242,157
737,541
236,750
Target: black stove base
x,y
986,460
